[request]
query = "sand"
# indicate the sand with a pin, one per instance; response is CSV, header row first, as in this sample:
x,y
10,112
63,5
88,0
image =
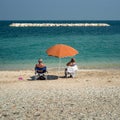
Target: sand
x,y
91,95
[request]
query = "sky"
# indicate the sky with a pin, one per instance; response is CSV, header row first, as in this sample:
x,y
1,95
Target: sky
x,y
59,9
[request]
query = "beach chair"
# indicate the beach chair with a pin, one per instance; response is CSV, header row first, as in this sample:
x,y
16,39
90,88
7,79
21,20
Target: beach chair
x,y
40,73
71,71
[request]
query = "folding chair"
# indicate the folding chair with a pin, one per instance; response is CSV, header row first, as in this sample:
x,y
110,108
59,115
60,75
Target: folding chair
x,y
40,73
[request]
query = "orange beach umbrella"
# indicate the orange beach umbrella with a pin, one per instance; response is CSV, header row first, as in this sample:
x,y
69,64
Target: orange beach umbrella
x,y
61,51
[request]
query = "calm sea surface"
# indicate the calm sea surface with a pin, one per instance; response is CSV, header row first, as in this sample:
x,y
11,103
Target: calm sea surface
x,y
20,47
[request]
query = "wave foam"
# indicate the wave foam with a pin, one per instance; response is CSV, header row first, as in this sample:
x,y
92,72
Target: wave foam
x,y
57,24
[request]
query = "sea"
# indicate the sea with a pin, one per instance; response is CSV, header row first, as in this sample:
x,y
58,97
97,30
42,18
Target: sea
x,y
21,47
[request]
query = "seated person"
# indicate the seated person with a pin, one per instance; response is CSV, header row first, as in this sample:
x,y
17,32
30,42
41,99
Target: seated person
x,y
40,68
71,68
40,64
71,62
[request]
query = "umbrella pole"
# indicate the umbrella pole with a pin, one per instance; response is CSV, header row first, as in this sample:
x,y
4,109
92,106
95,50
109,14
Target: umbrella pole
x,y
59,67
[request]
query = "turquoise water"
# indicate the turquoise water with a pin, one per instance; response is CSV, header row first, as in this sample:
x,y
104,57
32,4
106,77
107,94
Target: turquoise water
x,y
20,47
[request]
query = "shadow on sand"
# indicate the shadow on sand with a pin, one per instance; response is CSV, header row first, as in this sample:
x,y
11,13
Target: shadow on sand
x,y
49,77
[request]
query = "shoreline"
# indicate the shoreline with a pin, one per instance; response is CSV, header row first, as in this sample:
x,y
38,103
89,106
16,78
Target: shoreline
x,y
63,68
55,65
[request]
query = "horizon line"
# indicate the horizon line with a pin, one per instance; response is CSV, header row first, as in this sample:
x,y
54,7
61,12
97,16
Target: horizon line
x,y
58,20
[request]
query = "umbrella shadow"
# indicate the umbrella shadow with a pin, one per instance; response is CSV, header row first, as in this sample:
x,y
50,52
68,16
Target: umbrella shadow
x,y
49,77
52,77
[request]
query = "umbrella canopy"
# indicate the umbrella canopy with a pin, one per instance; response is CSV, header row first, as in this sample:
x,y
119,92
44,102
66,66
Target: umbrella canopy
x,y
61,51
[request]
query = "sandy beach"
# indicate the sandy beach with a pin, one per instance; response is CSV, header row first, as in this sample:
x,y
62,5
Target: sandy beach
x,y
91,95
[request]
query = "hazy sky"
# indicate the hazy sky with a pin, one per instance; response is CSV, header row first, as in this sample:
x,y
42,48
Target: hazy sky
x,y
59,9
